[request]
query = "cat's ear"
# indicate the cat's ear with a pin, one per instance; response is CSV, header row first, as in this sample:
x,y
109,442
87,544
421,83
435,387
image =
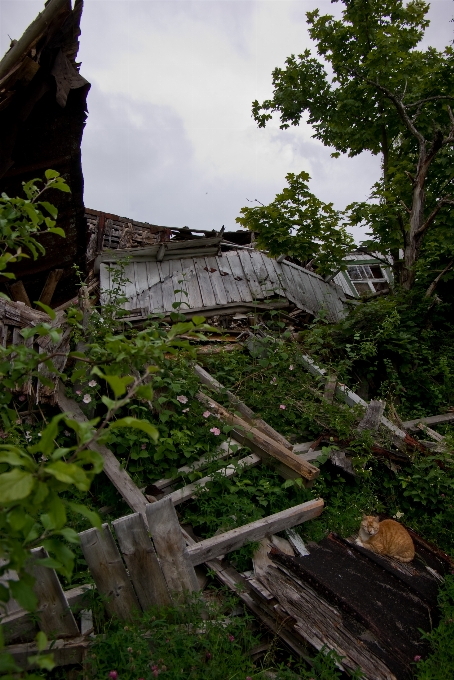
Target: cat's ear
x,y
364,516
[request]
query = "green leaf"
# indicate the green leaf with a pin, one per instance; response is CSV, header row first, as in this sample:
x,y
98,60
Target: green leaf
x,y
197,320
51,209
69,473
22,591
15,485
51,174
91,515
47,309
57,230
41,641
136,424
46,443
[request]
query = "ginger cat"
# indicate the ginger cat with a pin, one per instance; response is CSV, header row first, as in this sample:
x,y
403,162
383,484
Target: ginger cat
x,y
386,538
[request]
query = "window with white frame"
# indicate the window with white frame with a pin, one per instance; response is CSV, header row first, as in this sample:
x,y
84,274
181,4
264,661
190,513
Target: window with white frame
x,y
367,278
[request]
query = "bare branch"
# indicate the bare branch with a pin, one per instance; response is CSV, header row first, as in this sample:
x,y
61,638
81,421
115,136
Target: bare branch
x,y
410,176
446,200
429,99
405,206
434,283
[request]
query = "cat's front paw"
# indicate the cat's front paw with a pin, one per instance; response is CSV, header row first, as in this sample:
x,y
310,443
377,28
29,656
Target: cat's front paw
x,y
359,542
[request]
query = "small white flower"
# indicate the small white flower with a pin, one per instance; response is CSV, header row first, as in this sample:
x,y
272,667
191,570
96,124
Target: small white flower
x,y
182,399
92,383
185,410
28,436
86,399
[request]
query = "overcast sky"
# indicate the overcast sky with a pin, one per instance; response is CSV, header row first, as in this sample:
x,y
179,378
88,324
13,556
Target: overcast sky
x,y
170,138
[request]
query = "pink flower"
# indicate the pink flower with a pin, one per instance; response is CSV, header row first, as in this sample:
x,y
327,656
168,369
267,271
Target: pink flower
x,y
155,673
290,368
22,398
92,383
182,399
113,675
206,414
208,656
78,392
154,667
442,495
215,431
283,407
231,638
144,446
86,399
273,381
417,658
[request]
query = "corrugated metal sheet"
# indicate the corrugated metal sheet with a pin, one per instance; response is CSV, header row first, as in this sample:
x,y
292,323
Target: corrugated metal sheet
x,y
223,282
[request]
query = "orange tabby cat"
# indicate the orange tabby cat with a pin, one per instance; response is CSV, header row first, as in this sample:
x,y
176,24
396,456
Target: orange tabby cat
x,y
386,538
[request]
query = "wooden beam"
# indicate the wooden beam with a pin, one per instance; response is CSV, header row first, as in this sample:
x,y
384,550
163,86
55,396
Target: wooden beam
x,y
19,294
330,388
250,435
112,468
140,557
109,573
429,420
224,543
171,548
246,413
47,292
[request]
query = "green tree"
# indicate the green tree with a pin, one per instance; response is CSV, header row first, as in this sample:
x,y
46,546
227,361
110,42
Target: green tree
x,y
383,95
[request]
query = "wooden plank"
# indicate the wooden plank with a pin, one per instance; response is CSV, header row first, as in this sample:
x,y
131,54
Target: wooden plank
x,y
168,296
186,492
228,280
140,557
216,281
130,286
109,573
249,274
48,291
372,417
239,276
19,294
154,288
275,276
246,413
268,445
65,652
429,420
330,388
204,280
22,625
436,436
170,546
194,297
224,543
261,273
55,617
112,468
140,277
225,450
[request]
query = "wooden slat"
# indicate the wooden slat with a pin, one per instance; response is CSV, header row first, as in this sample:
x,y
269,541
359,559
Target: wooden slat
x,y
228,280
154,288
109,573
141,278
22,625
168,296
206,289
239,276
140,557
130,286
171,548
436,436
246,413
49,287
112,468
261,273
249,273
224,543
186,492
429,420
194,297
19,294
216,281
276,278
55,617
249,434
65,652
330,388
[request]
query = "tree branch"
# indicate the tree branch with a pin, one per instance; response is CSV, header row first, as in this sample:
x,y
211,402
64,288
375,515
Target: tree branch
x,y
434,283
446,200
429,99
